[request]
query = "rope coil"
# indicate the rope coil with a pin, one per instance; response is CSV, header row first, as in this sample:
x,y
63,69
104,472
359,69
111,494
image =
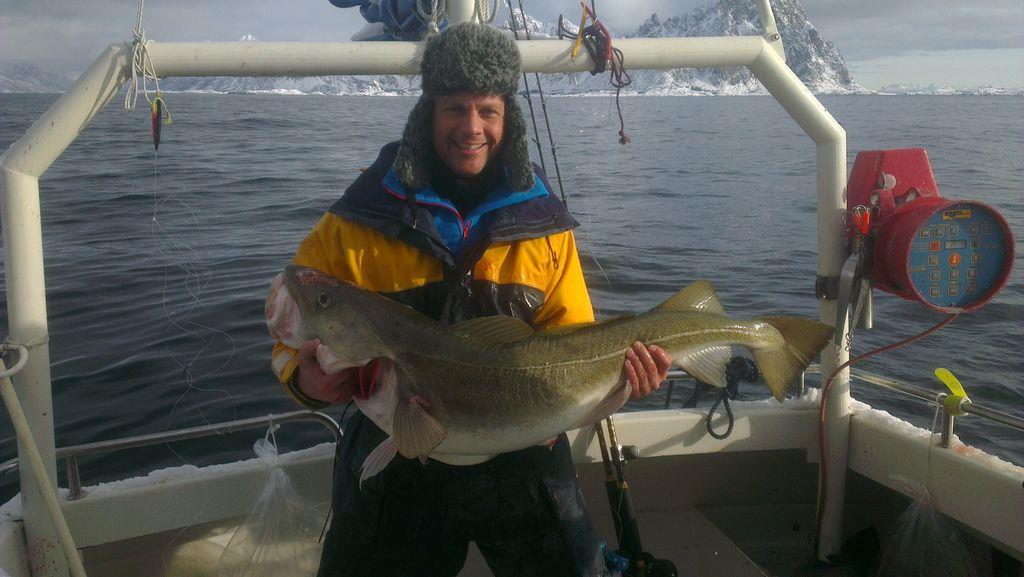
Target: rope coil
x,y
484,11
432,18
141,65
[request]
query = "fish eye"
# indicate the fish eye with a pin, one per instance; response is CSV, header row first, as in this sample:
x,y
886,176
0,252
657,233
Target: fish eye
x,y
324,300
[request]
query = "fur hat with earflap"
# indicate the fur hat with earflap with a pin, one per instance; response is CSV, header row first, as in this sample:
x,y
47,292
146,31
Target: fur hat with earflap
x,y
471,57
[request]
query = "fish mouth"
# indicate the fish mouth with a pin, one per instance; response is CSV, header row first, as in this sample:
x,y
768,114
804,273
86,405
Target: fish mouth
x,y
282,313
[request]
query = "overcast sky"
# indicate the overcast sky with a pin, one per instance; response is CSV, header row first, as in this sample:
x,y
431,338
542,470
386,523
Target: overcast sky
x,y
958,43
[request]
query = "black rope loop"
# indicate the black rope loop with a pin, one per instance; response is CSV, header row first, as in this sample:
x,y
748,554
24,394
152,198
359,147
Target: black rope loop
x,y
724,399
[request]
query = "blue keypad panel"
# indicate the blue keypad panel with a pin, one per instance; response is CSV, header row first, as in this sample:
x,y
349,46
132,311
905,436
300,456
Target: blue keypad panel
x,y
958,255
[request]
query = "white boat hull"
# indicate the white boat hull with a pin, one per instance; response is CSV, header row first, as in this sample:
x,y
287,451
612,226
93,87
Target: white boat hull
x,y
740,506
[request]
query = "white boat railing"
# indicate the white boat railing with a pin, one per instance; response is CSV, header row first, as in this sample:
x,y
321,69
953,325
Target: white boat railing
x,y
72,453
933,397
930,396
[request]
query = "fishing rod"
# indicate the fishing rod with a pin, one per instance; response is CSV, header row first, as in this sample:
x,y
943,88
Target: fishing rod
x,y
627,530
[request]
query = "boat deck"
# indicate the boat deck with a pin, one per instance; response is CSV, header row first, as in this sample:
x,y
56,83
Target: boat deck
x,y
685,536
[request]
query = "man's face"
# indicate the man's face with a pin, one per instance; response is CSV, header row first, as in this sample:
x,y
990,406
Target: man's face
x,y
467,130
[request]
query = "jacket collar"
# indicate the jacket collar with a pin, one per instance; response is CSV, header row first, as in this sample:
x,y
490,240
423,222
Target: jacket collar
x,y
501,197
378,200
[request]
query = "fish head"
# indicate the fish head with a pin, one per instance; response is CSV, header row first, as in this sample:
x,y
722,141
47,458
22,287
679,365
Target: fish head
x,y
304,304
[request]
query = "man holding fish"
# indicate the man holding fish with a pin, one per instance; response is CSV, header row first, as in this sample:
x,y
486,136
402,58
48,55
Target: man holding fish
x,y
455,222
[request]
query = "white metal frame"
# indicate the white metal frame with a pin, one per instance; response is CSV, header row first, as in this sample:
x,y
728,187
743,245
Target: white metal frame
x,y
28,158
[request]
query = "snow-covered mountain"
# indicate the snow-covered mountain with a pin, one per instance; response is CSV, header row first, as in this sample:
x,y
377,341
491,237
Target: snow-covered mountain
x,y
20,77
388,85
816,61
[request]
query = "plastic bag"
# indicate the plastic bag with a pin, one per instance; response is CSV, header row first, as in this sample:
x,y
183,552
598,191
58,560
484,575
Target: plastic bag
x,y
280,537
924,543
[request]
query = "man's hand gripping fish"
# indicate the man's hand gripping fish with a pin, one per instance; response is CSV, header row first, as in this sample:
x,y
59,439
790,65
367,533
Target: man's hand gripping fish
x,y
464,393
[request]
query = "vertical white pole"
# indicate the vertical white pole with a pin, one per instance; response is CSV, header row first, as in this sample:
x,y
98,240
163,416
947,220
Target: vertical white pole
x,y
830,140
831,203
22,165
461,11
26,311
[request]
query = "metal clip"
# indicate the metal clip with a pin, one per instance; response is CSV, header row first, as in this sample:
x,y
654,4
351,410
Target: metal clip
x,y
22,358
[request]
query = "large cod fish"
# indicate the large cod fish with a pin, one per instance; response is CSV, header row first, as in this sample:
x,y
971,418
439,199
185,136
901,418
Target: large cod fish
x,y
464,393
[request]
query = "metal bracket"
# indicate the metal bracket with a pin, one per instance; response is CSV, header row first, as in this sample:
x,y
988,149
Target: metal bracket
x,y
826,287
771,29
854,296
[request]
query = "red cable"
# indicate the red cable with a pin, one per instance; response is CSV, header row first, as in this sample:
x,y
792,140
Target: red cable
x,y
822,464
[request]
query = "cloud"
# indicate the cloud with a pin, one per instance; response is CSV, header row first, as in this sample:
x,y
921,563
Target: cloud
x,y
872,29
69,34
959,69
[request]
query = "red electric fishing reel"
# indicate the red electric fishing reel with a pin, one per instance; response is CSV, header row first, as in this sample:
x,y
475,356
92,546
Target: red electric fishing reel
x,y
951,255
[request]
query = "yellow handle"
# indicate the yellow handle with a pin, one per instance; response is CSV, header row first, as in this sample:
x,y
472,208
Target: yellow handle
x,y
951,382
958,394
579,38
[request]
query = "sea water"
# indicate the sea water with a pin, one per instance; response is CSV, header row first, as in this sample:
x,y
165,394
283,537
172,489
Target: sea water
x,y
157,263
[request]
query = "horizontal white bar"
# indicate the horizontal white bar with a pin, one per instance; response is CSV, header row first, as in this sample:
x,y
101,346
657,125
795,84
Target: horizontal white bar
x,y
347,58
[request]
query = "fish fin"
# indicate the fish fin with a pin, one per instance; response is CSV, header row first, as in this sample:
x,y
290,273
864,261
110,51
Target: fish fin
x,y
414,430
377,460
423,459
700,297
804,339
706,364
495,329
608,405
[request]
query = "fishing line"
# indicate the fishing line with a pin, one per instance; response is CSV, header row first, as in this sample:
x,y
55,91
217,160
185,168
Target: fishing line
x,y
823,464
551,142
197,277
526,83
334,469
543,102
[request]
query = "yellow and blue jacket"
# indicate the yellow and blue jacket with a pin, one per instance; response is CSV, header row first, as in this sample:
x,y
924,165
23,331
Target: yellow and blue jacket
x,y
514,254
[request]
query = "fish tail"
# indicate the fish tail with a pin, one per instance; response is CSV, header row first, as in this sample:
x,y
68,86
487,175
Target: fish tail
x,y
802,341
